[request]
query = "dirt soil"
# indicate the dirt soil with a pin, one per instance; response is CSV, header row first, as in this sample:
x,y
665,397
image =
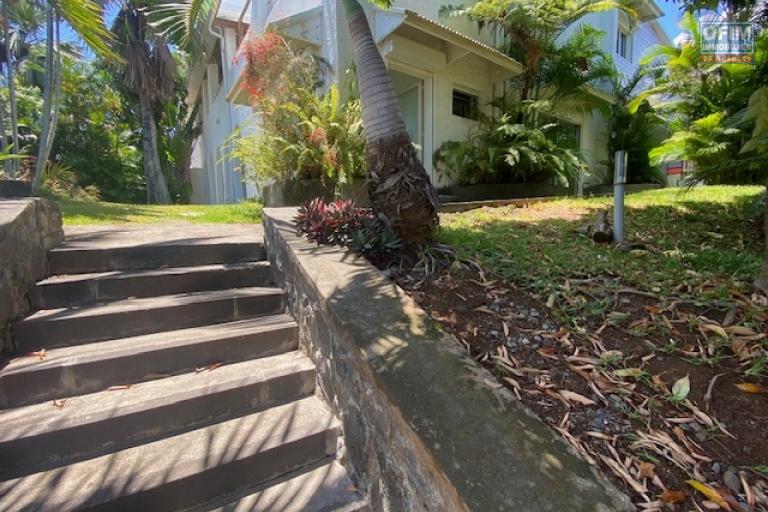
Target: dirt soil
x,y
666,397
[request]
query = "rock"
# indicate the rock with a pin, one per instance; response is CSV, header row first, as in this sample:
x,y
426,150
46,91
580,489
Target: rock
x,y
716,468
525,341
600,420
534,313
701,436
731,480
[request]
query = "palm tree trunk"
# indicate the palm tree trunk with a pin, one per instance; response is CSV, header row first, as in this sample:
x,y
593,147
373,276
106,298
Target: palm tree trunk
x,y
157,190
46,115
14,165
2,135
56,99
398,185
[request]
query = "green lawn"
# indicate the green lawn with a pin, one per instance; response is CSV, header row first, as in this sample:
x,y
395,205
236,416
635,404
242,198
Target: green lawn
x,y
96,212
700,244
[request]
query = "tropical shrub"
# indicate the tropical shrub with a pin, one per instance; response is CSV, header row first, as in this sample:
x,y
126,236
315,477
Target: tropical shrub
x,y
503,151
60,181
342,223
97,133
636,131
298,133
709,106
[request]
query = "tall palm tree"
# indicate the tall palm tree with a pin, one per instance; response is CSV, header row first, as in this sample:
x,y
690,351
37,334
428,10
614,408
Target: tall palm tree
x,y
148,71
9,53
398,185
85,17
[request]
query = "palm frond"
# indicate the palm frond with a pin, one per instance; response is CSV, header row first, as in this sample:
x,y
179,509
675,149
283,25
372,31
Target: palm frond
x,y
86,17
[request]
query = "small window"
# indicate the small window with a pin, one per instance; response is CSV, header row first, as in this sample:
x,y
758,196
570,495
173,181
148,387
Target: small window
x,y
624,44
465,105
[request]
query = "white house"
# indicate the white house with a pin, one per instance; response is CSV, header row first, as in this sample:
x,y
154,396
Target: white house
x,y
441,69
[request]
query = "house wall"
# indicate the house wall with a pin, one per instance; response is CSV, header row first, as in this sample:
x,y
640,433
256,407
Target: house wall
x,y
470,74
221,183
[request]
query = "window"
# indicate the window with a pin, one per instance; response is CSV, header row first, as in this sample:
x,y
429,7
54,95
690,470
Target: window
x,y
465,105
570,134
624,43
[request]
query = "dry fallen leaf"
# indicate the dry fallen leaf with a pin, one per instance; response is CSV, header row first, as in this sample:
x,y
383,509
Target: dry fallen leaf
x,y
671,496
715,329
209,368
681,388
748,387
572,396
710,493
120,387
60,403
646,469
39,354
548,352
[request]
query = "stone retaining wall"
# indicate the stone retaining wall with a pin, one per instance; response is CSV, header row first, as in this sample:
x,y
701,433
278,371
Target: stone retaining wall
x,y
425,427
28,229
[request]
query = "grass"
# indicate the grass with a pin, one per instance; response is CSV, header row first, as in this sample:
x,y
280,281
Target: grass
x,y
700,242
97,212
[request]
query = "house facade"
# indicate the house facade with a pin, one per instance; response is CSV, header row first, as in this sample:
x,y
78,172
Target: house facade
x,y
442,69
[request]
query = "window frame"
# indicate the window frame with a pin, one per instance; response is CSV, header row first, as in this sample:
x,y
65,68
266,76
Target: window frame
x,y
472,109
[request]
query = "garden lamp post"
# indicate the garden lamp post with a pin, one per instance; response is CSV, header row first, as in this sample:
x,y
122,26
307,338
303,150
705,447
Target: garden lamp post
x,y
619,180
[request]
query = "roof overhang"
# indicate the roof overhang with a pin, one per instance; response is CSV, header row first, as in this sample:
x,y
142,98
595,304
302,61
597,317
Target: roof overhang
x,y
647,10
454,44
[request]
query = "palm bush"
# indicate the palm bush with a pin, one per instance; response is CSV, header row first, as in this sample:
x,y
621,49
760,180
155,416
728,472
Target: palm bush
x,y
500,150
636,131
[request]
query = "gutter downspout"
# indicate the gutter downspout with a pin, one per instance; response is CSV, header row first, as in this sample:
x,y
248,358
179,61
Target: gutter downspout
x,y
225,86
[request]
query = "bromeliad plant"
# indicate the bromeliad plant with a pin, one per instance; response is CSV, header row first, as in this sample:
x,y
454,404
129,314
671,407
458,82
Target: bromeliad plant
x,y
342,223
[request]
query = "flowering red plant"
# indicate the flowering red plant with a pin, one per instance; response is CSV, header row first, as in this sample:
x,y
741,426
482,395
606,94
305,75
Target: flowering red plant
x,y
263,54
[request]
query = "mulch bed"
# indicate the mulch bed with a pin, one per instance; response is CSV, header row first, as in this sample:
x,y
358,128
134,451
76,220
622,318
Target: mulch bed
x,y
656,393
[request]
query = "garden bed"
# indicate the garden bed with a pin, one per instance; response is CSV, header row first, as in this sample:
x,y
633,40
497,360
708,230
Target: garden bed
x,y
652,363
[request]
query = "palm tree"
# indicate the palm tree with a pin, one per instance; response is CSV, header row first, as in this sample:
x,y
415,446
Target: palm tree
x,y
148,71
399,188
532,28
9,57
86,19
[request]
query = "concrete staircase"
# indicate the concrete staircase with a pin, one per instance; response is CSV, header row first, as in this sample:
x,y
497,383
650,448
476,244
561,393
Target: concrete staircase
x,y
166,377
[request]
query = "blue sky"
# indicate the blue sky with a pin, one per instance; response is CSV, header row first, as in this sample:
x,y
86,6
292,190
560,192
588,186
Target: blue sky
x,y
671,17
669,21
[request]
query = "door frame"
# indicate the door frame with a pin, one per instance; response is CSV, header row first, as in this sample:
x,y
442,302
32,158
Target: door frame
x,y
427,111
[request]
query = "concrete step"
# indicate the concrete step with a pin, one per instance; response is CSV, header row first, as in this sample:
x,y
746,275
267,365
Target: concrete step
x,y
184,470
326,488
80,258
51,328
45,434
73,289
91,367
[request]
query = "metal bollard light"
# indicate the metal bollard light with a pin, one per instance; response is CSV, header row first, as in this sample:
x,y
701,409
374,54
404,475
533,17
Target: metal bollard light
x,y
619,180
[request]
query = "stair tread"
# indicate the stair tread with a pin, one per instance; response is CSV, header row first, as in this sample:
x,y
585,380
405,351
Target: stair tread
x,y
128,274
104,350
147,303
324,489
36,419
164,234
160,463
